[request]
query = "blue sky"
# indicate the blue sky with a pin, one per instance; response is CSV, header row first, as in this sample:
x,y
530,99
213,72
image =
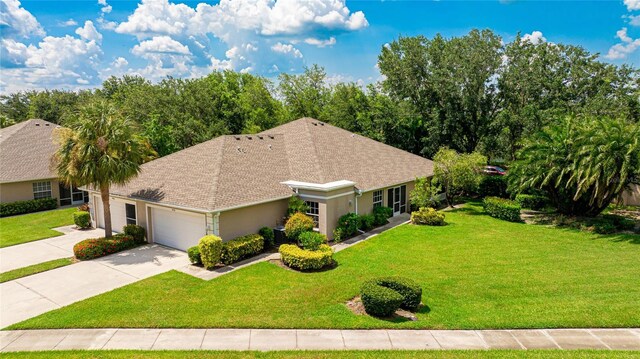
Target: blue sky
x,y
77,44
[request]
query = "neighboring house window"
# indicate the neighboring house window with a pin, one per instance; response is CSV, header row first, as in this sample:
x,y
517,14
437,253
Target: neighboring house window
x,y
131,213
313,212
41,190
377,198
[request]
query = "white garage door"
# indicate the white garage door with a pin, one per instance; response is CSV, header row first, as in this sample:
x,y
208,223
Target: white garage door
x,y
177,229
118,214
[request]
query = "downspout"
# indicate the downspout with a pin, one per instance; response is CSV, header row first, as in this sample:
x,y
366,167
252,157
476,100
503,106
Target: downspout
x,y
358,194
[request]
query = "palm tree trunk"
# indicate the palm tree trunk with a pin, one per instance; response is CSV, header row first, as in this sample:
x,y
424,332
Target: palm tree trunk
x,y
104,194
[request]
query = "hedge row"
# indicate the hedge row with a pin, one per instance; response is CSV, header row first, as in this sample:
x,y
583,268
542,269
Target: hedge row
x,y
298,258
532,201
502,208
381,297
22,207
241,247
98,247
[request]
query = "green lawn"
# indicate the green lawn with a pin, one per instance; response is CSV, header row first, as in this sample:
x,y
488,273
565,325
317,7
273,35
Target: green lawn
x,y
36,268
476,273
33,226
498,354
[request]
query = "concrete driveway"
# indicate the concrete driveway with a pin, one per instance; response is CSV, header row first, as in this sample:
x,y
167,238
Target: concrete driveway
x,y
23,255
30,296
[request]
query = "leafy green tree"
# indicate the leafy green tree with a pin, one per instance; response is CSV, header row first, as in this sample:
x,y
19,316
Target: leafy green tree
x,y
99,148
583,164
14,107
424,193
457,173
160,137
305,95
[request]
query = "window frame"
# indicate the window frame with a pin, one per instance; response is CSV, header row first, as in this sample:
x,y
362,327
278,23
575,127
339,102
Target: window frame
x,y
378,202
313,211
40,188
130,220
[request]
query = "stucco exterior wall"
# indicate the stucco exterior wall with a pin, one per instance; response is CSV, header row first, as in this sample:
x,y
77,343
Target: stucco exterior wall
x,y
23,191
249,220
365,202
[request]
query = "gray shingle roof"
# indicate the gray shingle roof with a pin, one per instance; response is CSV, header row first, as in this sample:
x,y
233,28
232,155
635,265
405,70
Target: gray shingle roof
x,y
231,171
26,149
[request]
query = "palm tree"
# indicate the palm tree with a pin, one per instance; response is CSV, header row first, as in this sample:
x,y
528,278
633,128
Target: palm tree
x,y
98,148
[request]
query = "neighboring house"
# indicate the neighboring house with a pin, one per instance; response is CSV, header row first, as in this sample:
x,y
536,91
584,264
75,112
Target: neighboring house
x,y
234,185
631,197
26,149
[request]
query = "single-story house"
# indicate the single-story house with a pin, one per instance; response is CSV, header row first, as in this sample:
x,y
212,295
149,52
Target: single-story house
x,y
233,185
631,196
26,149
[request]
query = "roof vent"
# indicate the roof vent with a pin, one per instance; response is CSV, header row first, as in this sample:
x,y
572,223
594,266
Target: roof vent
x,y
271,137
315,123
237,137
46,124
260,137
241,150
37,124
270,147
249,137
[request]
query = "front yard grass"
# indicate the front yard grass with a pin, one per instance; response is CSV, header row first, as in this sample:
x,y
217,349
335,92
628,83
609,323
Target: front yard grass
x,y
454,354
476,273
33,226
36,268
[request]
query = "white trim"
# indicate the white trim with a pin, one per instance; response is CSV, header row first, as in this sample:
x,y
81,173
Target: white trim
x,y
193,212
311,196
322,187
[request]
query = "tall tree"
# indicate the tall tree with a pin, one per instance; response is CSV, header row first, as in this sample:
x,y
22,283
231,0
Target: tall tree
x,y
99,148
457,173
305,95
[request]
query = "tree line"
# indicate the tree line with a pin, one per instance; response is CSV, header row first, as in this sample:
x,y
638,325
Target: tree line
x,y
468,93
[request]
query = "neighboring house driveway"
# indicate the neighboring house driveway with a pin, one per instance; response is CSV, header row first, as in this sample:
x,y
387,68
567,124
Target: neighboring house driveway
x,y
44,250
30,296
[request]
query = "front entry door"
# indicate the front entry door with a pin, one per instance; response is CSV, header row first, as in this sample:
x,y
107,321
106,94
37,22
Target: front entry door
x,y
397,200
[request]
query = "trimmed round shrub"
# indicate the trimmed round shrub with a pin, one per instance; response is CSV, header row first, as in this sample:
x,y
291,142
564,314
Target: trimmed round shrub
x,y
379,301
428,216
531,201
268,235
241,247
137,232
98,247
502,209
381,214
383,296
349,224
311,241
210,247
296,225
493,186
82,219
194,255
366,221
298,258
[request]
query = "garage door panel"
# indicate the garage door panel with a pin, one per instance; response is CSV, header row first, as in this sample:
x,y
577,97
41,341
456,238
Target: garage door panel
x,y
177,229
118,214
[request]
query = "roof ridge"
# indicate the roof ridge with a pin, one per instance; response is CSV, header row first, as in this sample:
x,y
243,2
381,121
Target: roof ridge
x,y
316,158
211,198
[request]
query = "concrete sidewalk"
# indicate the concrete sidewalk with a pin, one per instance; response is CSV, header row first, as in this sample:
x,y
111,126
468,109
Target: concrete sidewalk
x,y
298,339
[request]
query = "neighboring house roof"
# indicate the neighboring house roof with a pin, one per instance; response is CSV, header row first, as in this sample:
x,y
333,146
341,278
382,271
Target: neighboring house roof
x,y
236,170
26,149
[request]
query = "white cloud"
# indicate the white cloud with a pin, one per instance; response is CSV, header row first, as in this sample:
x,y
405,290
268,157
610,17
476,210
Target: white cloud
x,y
627,46
632,4
160,45
16,21
320,43
89,32
634,20
535,37
106,8
70,22
120,62
286,49
157,17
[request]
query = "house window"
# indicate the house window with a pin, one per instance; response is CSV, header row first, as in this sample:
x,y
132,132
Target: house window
x,y
41,190
131,213
313,212
377,198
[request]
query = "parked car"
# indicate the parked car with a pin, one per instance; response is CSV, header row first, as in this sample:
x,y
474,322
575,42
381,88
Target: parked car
x,y
494,171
